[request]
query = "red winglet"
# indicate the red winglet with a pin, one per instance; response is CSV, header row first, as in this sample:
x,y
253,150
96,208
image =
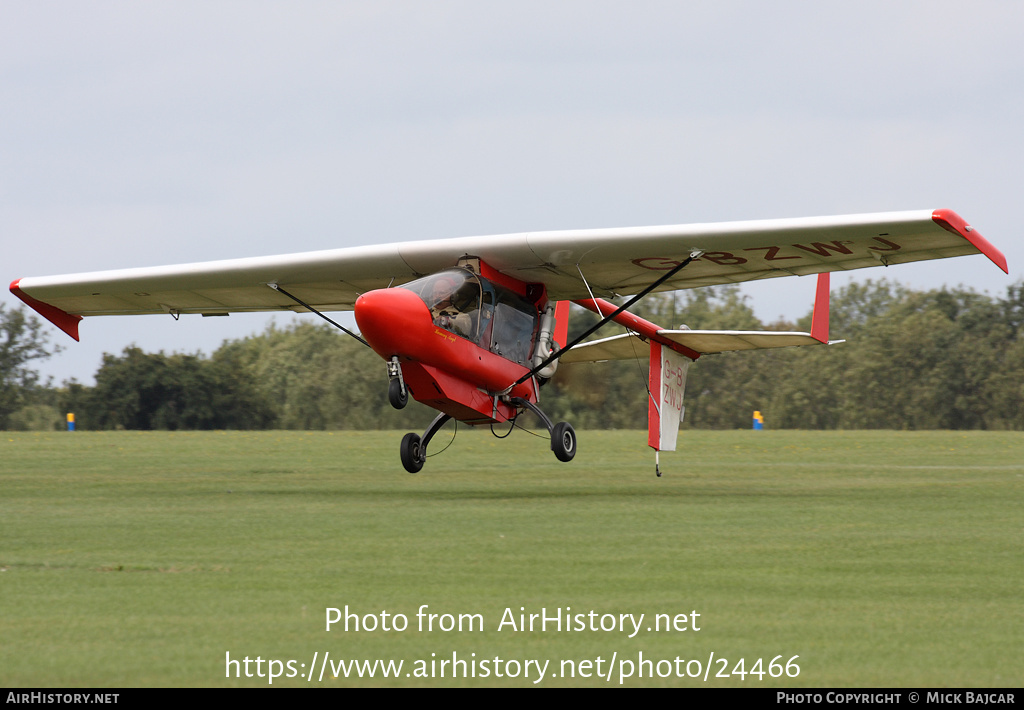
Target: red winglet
x,y
65,321
819,317
952,222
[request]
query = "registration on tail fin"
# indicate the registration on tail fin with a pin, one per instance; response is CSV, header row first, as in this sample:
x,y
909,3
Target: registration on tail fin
x,y
667,381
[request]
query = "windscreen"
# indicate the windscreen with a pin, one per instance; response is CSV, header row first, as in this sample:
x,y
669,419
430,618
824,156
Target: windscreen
x,y
492,316
454,300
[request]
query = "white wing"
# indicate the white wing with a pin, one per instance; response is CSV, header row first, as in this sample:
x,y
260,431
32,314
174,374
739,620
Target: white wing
x,y
613,261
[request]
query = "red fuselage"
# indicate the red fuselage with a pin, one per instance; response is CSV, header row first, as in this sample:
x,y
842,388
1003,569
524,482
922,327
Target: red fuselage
x,y
440,368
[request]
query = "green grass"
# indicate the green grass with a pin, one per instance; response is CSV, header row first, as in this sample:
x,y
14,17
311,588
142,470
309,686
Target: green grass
x,y
878,558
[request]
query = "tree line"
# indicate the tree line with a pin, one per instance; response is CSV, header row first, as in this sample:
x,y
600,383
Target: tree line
x,y
942,359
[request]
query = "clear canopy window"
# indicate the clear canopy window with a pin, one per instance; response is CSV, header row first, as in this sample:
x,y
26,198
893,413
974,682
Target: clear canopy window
x,y
480,311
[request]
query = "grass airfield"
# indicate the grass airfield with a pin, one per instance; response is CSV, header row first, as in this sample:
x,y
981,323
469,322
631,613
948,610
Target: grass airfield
x,y
878,558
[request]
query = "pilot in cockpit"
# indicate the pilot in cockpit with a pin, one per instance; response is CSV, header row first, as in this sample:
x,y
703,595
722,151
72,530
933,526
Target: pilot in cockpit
x,y
449,306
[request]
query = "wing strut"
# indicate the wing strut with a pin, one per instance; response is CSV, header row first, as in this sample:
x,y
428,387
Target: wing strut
x,y
611,316
313,310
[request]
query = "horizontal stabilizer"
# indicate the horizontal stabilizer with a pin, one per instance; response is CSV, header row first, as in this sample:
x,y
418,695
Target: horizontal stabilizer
x,y
694,343
618,347
723,341
629,346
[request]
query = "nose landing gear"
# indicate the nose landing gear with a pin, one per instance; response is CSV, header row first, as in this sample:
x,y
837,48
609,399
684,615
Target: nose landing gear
x,y
398,393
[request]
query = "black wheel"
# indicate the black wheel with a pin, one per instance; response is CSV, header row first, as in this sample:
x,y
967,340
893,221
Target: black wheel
x,y
563,441
397,395
413,455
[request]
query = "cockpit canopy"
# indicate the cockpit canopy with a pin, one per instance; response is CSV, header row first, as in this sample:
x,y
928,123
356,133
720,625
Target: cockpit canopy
x,y
485,313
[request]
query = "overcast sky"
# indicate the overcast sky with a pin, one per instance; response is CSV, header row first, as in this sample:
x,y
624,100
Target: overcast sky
x,y
141,134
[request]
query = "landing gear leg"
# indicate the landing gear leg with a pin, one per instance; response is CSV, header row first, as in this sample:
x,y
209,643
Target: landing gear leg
x,y
563,436
414,449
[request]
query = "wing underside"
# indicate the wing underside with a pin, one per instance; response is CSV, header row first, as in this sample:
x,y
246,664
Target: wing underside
x,y
572,264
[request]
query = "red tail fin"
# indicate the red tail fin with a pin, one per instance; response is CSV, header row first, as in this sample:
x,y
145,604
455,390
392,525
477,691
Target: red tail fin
x,y
562,323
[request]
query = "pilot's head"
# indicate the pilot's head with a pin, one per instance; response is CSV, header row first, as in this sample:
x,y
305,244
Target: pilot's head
x,y
441,289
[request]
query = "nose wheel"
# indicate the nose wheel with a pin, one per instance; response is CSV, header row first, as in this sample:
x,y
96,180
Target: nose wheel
x,y
398,393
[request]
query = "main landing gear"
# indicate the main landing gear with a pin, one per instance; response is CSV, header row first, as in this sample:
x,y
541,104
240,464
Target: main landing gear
x,y
413,448
563,436
563,441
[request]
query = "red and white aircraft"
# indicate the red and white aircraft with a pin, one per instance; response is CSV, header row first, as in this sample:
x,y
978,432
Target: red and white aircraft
x,y
474,326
